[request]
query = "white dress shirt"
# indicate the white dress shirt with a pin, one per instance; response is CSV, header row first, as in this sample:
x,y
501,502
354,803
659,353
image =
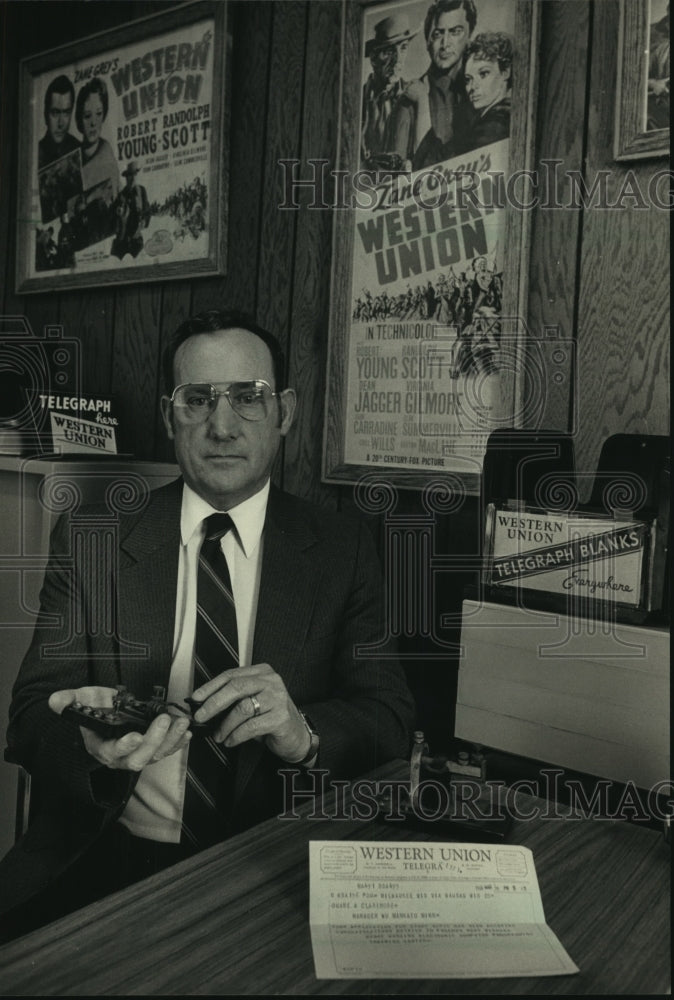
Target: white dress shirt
x,y
155,808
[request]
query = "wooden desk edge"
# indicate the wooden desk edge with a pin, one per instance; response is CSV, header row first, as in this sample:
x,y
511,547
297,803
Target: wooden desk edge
x,y
44,948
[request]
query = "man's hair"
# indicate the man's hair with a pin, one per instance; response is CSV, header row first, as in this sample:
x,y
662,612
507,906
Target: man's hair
x,y
95,86
440,7
216,320
491,46
59,85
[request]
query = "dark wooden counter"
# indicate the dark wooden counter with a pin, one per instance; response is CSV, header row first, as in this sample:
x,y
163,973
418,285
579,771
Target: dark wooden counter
x,y
234,920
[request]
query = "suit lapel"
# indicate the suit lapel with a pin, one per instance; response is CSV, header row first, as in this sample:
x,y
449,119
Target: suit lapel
x,y
288,586
287,590
147,600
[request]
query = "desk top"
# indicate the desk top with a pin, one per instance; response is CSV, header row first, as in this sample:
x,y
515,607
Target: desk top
x,y
235,919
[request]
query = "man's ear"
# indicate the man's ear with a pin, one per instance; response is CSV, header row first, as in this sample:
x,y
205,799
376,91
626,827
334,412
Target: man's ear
x,y
288,402
167,416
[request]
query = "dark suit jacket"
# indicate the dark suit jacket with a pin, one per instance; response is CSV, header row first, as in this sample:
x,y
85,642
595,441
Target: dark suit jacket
x,y
320,595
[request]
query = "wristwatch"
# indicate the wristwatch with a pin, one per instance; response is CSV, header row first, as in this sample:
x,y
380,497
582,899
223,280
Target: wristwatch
x,y
313,745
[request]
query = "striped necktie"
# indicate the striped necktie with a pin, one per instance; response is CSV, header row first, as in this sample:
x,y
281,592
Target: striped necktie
x,y
209,787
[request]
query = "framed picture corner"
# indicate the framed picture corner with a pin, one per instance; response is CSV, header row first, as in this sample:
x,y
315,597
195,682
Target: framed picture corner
x,y
642,109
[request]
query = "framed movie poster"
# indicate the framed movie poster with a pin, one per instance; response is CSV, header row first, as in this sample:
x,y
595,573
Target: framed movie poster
x,y
642,101
430,236
122,158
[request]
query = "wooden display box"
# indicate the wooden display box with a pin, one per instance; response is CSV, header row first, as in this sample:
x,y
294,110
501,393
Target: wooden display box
x,y
569,691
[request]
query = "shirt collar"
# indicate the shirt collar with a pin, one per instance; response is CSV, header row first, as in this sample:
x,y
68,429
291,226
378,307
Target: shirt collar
x,y
248,517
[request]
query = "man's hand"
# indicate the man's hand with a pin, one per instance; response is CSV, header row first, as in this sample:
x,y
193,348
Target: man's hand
x,y
279,721
133,751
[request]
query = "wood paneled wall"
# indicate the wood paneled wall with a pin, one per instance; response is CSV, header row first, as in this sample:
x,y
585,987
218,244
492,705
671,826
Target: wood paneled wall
x,y
600,277
623,282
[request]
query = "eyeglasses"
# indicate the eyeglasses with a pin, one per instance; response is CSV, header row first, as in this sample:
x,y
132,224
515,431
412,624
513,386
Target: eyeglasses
x,y
194,402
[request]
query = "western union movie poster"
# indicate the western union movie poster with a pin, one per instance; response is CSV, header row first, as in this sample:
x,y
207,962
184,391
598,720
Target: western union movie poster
x,y
425,353
120,156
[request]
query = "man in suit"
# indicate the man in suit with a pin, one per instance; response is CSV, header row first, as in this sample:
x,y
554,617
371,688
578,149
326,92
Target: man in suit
x,y
306,591
59,100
